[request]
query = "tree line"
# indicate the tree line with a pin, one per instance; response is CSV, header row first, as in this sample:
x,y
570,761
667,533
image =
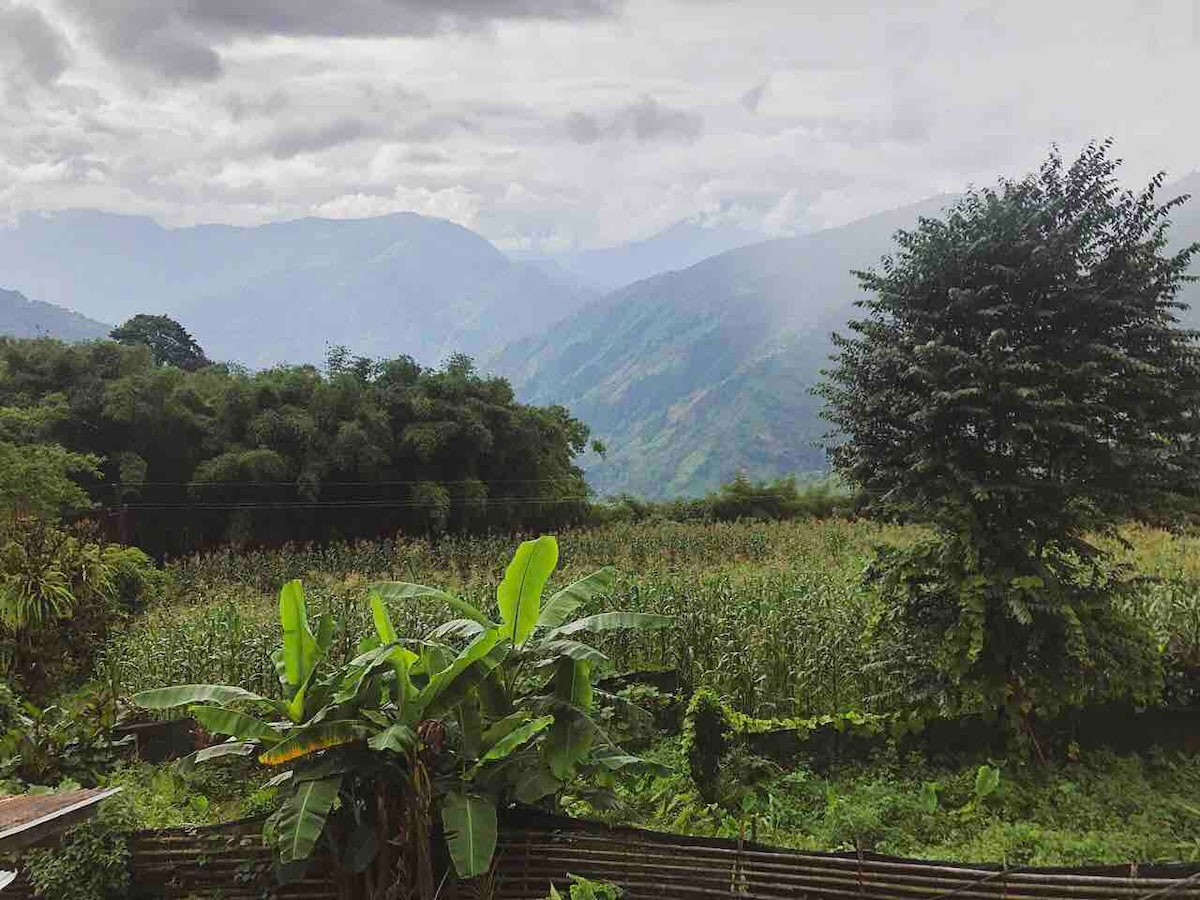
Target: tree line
x,y
165,450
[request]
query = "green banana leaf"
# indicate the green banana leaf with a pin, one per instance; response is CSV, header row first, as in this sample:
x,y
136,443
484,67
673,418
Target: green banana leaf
x,y
302,818
404,591
470,826
519,595
397,738
610,621
219,720
514,739
300,647
573,649
560,607
187,694
229,748
312,738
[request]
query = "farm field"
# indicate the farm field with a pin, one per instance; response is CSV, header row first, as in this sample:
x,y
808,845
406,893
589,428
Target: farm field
x,y
771,616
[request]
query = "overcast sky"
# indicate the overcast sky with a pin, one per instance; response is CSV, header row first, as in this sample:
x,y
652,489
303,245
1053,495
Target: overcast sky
x,y
550,124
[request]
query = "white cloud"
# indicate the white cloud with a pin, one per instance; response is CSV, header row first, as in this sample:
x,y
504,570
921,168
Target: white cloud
x,y
578,124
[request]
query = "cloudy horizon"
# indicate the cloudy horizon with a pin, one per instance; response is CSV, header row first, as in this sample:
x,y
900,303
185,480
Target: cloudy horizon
x,y
549,126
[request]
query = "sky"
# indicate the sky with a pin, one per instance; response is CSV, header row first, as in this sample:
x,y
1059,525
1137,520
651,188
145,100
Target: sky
x,y
552,125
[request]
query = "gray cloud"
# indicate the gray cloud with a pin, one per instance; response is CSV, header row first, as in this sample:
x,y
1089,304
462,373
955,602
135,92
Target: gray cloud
x,y
296,140
175,39
644,120
753,97
30,46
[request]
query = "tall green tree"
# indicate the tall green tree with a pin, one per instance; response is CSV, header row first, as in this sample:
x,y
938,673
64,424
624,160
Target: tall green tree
x,y
169,341
1020,380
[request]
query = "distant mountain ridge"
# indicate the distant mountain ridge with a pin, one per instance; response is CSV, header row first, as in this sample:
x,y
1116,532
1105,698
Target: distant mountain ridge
x,y
682,245
21,317
402,283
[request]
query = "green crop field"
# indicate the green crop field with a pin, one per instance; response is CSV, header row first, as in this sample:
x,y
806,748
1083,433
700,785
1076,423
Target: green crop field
x,y
773,617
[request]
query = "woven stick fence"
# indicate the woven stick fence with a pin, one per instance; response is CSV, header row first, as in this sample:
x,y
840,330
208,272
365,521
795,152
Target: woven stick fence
x,y
229,862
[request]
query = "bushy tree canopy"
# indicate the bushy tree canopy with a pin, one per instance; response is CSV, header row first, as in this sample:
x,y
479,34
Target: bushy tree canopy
x,y
294,453
169,341
1020,370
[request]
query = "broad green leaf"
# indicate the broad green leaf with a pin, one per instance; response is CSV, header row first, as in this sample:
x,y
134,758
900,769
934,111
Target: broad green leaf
x,y
560,607
610,621
573,682
470,826
537,785
302,818
514,739
441,681
383,622
187,694
299,644
508,724
326,626
397,738
456,628
574,650
404,591
312,738
519,595
567,743
987,781
229,748
219,720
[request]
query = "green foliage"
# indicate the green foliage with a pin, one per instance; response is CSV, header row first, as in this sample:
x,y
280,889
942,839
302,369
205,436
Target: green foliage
x,y
42,480
169,342
780,500
366,742
90,863
1020,380
59,596
959,634
196,456
586,889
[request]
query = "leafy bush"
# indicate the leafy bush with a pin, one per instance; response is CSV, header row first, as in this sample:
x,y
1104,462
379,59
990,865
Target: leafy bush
x,y
90,863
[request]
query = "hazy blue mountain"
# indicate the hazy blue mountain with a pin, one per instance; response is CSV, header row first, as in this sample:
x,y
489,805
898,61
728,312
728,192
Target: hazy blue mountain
x,y
691,376
683,244
394,284
24,318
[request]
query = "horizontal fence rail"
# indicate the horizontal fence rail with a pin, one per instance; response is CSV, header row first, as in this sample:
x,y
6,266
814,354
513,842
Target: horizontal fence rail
x,y
229,862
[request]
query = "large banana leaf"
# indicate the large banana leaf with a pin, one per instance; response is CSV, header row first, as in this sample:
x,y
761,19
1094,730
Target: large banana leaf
x,y
442,681
302,818
560,607
574,650
470,826
219,720
312,738
519,595
300,649
405,591
397,738
514,739
383,622
571,736
610,621
229,748
187,694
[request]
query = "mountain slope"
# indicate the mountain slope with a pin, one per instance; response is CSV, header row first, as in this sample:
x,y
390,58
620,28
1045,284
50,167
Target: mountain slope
x,y
691,376
395,284
24,318
683,244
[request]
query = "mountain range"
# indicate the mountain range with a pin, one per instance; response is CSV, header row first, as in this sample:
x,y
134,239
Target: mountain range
x,y
24,318
697,371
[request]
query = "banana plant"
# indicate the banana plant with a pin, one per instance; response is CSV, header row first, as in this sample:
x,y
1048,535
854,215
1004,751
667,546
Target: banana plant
x,y
525,708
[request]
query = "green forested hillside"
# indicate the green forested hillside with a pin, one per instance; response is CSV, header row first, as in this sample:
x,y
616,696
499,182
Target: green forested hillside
x,y
187,458
690,377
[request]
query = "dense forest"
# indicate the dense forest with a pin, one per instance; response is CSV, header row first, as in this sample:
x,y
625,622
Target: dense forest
x,y
175,453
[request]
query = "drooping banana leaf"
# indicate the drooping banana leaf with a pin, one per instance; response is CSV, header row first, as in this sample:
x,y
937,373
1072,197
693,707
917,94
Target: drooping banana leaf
x,y
470,826
312,738
573,649
514,739
187,694
402,591
219,720
302,817
519,595
474,677
442,680
229,748
397,738
559,607
300,647
610,621
383,622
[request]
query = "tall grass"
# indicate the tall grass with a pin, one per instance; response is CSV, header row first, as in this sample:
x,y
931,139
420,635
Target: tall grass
x,y
772,614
